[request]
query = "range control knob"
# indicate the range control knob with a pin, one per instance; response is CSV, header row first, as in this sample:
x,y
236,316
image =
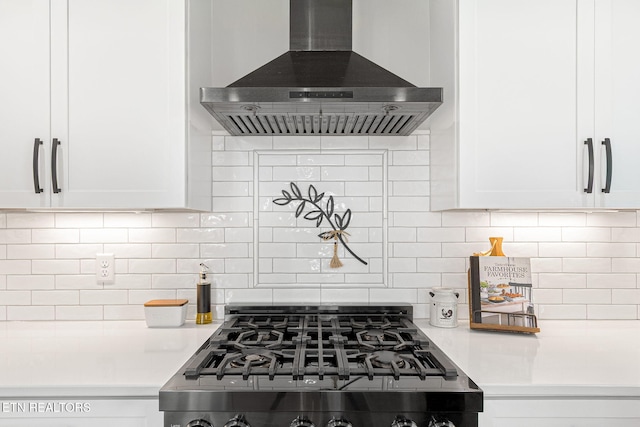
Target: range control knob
x,y
237,421
403,422
199,423
440,422
338,422
302,422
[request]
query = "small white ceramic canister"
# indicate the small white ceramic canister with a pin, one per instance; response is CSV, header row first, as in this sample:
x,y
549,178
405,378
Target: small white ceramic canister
x,y
444,308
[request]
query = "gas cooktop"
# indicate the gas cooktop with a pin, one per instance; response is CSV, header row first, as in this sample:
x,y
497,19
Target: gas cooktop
x,y
300,365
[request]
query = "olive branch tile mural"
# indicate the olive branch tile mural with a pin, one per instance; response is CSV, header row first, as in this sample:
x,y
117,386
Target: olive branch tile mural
x,y
320,218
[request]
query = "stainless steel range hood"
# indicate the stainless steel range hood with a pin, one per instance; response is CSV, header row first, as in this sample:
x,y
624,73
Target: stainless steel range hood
x,y
320,86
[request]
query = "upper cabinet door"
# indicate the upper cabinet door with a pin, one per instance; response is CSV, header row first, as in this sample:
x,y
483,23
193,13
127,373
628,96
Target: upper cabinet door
x,y
24,103
519,105
617,77
118,103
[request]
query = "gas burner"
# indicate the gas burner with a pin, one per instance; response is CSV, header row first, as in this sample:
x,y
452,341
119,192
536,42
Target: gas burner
x,y
381,339
371,324
372,335
386,359
260,338
268,322
253,359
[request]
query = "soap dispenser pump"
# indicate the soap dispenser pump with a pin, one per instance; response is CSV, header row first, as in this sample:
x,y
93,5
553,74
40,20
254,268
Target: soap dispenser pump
x,y
203,315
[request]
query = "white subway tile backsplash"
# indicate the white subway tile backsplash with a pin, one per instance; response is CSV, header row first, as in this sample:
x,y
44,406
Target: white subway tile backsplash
x,y
344,295
225,219
128,250
512,219
177,219
151,266
103,297
586,296
443,265
29,282
30,251
408,158
612,281
297,296
60,235
410,188
175,250
467,219
562,219
77,281
586,265
612,312
55,298
32,312
15,267
416,250
151,235
70,312
562,311
119,312
342,143
15,236
625,296
75,251
394,142
614,250
79,220
128,220
104,235
55,266
30,220
625,265
15,297
586,234
408,173
561,281
408,204
625,235
612,219
446,235
231,158
561,249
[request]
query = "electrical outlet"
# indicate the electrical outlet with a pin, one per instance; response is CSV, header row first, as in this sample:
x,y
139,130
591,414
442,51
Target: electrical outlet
x,y
105,268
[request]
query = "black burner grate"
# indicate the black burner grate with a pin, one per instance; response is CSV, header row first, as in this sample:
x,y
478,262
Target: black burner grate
x,y
319,346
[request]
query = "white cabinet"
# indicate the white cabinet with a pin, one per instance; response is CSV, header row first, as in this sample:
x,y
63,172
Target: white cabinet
x,y
67,412
532,81
24,101
106,87
560,412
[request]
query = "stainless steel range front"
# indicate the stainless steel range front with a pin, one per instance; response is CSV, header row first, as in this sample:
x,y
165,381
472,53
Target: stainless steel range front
x,y
324,366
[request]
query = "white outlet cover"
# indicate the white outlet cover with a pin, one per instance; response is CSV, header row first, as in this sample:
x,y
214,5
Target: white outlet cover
x,y
105,268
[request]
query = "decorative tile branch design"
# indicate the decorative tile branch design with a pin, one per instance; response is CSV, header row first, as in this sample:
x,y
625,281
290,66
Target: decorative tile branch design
x,y
318,214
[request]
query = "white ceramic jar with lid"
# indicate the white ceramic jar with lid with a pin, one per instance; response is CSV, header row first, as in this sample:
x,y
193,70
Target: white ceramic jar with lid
x,y
443,312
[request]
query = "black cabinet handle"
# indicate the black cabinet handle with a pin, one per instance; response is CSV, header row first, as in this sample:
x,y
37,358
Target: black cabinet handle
x,y
589,144
607,146
36,175
54,165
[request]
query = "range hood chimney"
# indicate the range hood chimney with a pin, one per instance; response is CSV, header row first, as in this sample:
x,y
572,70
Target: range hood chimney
x,y
320,86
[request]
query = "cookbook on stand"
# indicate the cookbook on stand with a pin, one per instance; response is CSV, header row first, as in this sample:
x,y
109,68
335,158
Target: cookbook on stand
x,y
500,294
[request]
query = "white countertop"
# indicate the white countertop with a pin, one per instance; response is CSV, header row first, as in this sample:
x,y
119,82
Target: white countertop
x,y
566,358
98,359
125,358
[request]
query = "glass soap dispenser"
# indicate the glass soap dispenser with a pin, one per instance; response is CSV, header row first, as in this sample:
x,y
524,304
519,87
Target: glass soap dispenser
x,y
203,315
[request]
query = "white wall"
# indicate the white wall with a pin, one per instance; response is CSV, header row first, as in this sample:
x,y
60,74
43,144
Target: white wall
x,y
585,265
